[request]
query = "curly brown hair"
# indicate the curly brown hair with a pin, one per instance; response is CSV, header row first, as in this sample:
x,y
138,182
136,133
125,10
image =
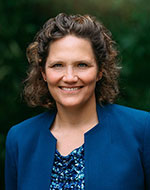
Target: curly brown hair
x,y
36,90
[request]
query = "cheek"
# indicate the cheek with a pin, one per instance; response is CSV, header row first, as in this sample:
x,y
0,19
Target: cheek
x,y
52,78
89,78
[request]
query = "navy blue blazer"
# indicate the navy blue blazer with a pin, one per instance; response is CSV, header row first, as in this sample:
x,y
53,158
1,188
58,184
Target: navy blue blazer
x,y
117,151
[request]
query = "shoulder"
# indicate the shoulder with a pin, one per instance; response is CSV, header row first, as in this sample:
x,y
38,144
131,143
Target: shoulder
x,y
29,124
29,128
124,112
127,120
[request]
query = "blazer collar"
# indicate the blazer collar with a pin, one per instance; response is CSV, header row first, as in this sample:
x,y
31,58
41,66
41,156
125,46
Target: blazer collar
x,y
103,113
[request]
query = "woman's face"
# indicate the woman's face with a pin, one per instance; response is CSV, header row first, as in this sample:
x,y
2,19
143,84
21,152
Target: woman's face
x,y
71,71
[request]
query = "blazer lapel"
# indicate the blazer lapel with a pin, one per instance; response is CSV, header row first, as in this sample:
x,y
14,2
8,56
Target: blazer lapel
x,y
96,142
45,150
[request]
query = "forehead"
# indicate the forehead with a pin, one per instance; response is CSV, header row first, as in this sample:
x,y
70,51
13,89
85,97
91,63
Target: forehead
x,y
70,47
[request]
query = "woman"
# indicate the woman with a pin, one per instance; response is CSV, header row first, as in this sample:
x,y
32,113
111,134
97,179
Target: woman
x,y
84,141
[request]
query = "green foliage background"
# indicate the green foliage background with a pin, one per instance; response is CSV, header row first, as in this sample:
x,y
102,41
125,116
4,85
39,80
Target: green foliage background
x,y
129,22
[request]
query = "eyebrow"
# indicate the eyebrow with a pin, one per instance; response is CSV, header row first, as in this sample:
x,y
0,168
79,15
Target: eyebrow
x,y
79,61
54,62
84,61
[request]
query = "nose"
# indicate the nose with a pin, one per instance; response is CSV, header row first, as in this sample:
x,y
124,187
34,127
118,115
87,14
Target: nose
x,y
70,75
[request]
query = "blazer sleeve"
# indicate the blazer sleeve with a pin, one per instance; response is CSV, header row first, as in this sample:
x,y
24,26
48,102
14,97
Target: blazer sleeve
x,y
10,162
146,152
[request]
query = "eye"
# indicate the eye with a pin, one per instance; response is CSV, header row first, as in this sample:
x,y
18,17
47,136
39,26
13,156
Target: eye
x,y
57,65
82,65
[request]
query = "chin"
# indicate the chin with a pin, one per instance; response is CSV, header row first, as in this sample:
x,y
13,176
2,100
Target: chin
x,y
70,104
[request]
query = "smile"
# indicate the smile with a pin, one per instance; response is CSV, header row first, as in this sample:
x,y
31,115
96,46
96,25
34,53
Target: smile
x,y
70,88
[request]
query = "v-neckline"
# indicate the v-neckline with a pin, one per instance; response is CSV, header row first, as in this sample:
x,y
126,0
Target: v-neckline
x,y
71,153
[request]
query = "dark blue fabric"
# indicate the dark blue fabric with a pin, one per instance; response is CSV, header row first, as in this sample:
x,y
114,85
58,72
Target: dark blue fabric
x,y
116,151
68,171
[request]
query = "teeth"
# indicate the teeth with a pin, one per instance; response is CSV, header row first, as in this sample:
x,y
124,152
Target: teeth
x,y
69,89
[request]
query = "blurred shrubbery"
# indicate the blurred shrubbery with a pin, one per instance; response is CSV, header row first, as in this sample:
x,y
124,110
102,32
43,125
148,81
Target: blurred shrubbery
x,y
128,20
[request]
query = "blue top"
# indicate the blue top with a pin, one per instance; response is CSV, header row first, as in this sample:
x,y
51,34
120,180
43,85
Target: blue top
x,y
68,171
116,151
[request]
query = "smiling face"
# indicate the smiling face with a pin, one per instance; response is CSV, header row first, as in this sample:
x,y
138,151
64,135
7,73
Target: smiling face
x,y
71,71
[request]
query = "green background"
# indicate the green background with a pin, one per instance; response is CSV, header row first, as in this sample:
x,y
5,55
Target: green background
x,y
129,22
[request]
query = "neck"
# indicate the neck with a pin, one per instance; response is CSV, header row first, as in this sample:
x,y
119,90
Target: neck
x,y
76,118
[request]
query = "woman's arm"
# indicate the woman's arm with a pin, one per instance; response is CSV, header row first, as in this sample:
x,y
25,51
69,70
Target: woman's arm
x,y
11,162
147,152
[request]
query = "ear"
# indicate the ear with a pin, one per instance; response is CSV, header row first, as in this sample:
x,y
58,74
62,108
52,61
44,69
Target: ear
x,y
99,76
43,74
